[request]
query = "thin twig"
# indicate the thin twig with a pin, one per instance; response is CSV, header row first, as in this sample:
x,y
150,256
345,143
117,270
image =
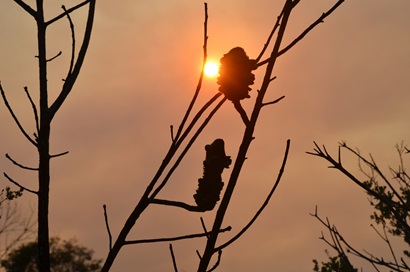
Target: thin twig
x,y
15,117
56,56
201,76
27,8
265,203
34,107
242,113
67,12
188,146
177,238
59,154
70,80
307,30
72,41
19,185
218,261
176,204
20,165
203,224
174,262
273,102
107,226
277,24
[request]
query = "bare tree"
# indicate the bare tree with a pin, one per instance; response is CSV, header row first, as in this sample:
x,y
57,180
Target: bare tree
x,y
14,227
390,198
235,78
44,111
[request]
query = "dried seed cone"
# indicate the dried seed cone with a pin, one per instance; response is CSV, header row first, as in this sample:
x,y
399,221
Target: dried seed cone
x,y
210,185
236,74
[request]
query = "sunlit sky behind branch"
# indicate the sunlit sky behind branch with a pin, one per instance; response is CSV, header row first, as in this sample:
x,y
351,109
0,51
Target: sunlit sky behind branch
x,y
349,79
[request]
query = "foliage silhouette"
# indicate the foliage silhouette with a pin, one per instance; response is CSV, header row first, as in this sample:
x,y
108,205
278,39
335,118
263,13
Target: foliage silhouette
x,y
390,199
65,256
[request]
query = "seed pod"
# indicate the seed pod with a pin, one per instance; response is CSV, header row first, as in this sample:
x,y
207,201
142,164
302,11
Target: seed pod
x,y
236,74
210,185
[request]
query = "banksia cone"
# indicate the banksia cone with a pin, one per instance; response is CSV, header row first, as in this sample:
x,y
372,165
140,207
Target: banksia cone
x,y
210,185
236,74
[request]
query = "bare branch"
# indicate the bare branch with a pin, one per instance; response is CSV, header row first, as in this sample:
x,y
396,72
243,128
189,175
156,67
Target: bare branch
x,y
188,146
174,262
304,33
20,165
59,154
265,203
19,185
203,224
238,107
33,105
15,117
170,239
277,24
67,12
171,129
56,56
27,8
70,80
218,261
176,204
273,102
72,39
107,226
199,85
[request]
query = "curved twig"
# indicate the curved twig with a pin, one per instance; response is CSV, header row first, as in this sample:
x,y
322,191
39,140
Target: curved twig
x,y
107,226
72,39
201,76
265,203
6,102
19,185
20,165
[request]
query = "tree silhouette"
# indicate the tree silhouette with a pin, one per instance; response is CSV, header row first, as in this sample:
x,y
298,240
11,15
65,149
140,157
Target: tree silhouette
x,y
235,79
67,256
44,112
390,199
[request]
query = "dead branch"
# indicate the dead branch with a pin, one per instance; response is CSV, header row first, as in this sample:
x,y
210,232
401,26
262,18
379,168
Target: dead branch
x,y
177,238
306,31
188,146
67,12
70,70
15,117
273,102
27,8
34,107
71,78
242,113
107,226
20,165
19,185
56,56
179,204
265,203
174,262
201,76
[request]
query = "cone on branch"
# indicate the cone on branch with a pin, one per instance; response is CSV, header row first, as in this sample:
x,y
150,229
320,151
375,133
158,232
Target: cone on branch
x,y
236,74
210,185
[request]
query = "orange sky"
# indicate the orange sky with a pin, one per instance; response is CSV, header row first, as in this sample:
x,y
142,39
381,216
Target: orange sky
x,y
348,80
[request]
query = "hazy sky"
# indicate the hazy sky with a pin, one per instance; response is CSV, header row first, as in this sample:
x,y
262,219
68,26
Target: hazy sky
x,y
348,80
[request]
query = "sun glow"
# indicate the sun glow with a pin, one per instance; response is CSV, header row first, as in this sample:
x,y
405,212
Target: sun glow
x,y
211,69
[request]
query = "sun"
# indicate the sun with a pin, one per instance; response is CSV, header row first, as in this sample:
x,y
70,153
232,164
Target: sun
x,y
211,69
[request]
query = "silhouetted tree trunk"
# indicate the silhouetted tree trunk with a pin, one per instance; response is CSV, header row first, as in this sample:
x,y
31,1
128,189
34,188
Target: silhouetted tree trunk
x,y
43,121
